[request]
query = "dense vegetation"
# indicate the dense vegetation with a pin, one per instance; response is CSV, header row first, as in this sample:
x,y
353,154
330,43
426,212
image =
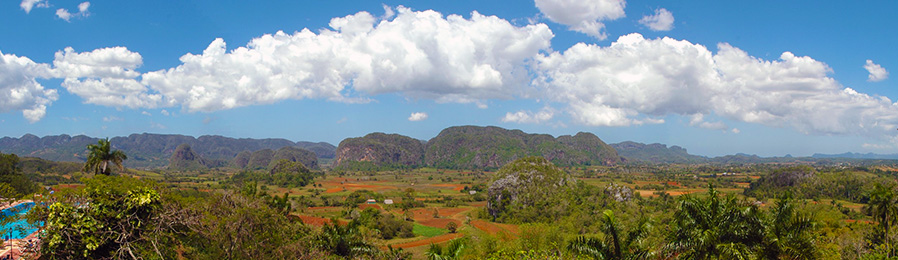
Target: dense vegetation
x,y
379,149
530,189
13,184
807,183
283,173
530,208
474,147
266,158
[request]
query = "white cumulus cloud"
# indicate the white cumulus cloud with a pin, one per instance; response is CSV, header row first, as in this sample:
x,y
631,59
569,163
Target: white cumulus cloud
x,y
104,77
637,78
877,73
27,5
64,14
19,91
698,120
114,62
418,54
82,8
528,117
585,16
662,20
417,116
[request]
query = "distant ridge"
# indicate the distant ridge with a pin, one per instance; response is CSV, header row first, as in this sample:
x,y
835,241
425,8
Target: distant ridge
x,y
471,147
858,156
458,147
476,147
152,150
656,153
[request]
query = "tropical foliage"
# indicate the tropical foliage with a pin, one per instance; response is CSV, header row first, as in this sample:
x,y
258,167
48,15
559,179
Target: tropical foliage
x,y
716,228
543,212
101,158
617,243
13,183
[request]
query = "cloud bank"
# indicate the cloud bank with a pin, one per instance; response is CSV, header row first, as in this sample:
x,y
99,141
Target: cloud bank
x,y
418,54
636,79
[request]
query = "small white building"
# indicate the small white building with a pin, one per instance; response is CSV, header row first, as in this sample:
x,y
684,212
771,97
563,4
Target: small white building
x,y
388,201
371,201
472,192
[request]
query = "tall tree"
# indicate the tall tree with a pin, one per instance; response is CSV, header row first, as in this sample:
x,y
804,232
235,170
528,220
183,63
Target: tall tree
x,y
883,205
715,228
616,244
451,252
788,232
101,155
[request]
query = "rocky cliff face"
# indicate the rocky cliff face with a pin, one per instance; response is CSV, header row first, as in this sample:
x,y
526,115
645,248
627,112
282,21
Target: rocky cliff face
x,y
241,160
183,158
526,182
380,149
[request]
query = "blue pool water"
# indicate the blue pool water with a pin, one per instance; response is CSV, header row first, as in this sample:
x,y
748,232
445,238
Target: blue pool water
x,y
11,230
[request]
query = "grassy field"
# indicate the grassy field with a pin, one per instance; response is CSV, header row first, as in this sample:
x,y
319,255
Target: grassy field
x,y
422,230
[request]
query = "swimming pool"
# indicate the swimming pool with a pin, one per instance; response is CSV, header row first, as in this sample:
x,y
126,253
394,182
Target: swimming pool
x,y
14,229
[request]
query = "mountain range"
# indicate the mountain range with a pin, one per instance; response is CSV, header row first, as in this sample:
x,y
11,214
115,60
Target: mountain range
x,y
458,147
152,150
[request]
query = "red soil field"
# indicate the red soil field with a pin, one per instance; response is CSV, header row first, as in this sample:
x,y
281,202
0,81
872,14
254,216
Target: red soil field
x,y
455,187
428,241
646,193
494,228
313,221
365,206
426,214
439,222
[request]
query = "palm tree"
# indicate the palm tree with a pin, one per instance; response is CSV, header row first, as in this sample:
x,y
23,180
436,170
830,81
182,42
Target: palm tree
x,y
615,245
788,232
883,205
101,155
343,240
453,251
715,228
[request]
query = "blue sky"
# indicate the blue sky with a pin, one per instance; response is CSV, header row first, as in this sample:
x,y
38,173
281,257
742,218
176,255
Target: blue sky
x,y
716,77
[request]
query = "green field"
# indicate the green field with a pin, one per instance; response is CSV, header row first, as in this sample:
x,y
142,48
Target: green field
x,y
422,230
